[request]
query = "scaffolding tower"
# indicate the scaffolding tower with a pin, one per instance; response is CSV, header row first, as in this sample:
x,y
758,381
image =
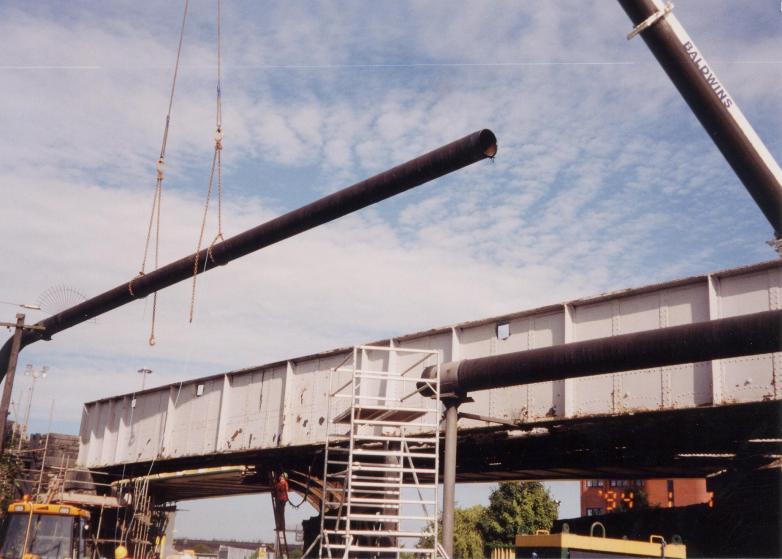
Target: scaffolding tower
x,y
382,455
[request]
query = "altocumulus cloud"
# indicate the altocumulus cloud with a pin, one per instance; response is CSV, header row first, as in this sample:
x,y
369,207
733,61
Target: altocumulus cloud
x,y
603,179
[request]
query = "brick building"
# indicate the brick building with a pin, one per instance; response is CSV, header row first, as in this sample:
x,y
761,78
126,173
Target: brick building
x,y
601,496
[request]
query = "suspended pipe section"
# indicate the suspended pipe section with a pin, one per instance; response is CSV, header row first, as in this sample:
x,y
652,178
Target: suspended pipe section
x,y
436,163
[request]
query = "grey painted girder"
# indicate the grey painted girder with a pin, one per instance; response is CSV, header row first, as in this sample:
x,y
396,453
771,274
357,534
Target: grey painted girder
x,y
282,404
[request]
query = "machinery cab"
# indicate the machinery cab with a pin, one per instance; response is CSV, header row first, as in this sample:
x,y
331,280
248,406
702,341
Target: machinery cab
x,y
44,531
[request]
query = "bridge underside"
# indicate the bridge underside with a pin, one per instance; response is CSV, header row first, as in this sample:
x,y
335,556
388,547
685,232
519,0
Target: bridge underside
x,y
694,442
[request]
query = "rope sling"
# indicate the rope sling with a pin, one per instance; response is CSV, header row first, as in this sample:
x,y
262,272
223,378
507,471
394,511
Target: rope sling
x,y
216,163
154,217
216,167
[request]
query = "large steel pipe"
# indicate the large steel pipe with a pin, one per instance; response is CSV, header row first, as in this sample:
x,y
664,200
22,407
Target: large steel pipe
x,y
443,160
714,107
749,334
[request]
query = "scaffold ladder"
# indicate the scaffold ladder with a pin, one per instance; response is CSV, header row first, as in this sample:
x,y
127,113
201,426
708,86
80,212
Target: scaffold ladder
x,y
382,455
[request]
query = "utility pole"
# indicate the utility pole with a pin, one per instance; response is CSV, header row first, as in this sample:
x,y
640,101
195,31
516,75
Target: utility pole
x,y
34,376
16,344
144,372
9,376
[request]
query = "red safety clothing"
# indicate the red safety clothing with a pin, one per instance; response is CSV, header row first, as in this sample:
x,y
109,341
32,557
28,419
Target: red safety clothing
x,y
281,489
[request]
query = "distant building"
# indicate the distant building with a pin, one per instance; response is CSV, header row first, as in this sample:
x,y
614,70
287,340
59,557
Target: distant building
x,y
44,461
227,549
601,496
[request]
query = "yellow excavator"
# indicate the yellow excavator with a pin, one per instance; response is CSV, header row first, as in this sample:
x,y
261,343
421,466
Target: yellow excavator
x,y
44,531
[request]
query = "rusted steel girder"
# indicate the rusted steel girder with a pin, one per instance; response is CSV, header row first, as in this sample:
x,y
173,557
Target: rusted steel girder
x,y
436,163
748,334
716,110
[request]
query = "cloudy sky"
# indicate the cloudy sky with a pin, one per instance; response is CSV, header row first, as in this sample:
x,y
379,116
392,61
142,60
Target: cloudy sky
x,y
604,179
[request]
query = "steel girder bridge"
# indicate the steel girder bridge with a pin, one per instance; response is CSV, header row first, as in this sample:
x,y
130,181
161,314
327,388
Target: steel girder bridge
x,y
682,420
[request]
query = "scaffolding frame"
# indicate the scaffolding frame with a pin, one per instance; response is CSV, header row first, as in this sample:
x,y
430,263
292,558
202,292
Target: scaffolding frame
x,y
381,474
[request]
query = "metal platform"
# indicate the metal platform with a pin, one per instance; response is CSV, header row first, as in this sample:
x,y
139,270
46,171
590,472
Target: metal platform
x,y
379,413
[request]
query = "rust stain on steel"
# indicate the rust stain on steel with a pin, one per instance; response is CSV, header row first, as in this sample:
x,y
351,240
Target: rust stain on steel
x,y
441,161
260,393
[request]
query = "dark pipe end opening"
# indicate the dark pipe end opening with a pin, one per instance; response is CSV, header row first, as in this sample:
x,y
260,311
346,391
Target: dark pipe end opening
x,y
423,388
449,381
488,142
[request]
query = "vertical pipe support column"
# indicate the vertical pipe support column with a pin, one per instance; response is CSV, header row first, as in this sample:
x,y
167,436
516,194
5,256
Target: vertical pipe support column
x,y
449,473
449,465
5,403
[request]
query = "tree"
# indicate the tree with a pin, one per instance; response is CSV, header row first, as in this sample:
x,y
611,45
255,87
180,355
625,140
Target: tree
x,y
467,538
203,549
517,507
10,467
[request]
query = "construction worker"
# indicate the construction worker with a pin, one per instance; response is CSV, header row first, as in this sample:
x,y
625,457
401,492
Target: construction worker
x,y
281,488
121,552
280,492
280,498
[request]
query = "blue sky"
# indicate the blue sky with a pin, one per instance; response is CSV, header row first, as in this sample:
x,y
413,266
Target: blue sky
x,y
604,179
